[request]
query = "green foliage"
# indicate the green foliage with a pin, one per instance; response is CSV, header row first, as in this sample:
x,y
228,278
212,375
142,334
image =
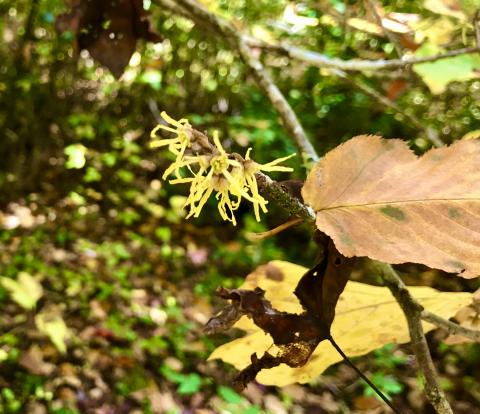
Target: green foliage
x,y
386,383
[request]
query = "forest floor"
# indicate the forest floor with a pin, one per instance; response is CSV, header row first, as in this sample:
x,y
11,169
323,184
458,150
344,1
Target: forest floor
x,y
134,294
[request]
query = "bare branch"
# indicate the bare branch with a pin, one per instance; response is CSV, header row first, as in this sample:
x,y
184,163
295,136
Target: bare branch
x,y
393,39
430,133
200,15
413,313
192,10
451,327
357,65
476,26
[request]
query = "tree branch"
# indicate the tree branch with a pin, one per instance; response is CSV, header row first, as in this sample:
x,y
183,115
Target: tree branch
x,y
413,313
393,39
295,130
429,132
451,327
201,16
276,192
356,65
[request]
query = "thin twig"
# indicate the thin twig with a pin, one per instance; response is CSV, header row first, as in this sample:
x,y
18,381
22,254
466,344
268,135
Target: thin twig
x,y
200,15
451,327
413,313
476,25
393,39
430,133
192,10
357,65
323,61
28,35
152,105
273,232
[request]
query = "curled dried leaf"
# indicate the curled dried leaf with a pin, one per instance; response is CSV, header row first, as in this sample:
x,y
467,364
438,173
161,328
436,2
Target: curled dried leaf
x,y
295,335
109,30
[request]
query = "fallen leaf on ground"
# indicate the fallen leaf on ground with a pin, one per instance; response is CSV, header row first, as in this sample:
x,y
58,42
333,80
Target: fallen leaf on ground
x,y
26,290
52,324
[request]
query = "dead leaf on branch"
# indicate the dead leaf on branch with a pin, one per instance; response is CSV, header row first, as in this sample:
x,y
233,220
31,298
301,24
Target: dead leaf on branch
x,y
366,318
108,29
295,335
375,198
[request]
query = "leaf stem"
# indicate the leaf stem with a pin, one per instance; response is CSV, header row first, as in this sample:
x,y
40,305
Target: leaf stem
x,y
362,375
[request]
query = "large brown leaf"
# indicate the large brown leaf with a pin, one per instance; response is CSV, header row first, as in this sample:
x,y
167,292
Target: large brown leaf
x,y
375,198
108,29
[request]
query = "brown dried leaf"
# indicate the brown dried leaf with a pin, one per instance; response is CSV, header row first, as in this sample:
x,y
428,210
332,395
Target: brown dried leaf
x,y
295,335
375,198
108,29
32,361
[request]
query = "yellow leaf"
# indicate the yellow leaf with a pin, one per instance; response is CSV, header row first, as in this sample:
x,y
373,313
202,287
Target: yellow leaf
x,y
26,290
374,197
437,31
446,7
472,134
437,75
367,318
365,26
52,324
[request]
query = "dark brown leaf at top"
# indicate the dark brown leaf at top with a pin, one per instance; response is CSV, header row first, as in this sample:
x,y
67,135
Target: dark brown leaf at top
x,y
108,29
295,335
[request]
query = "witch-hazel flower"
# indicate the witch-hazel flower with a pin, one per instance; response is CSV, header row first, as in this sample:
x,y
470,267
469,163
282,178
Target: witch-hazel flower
x,y
177,145
218,173
231,177
250,168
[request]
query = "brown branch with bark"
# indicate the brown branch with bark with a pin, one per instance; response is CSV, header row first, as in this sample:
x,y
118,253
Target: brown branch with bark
x,y
451,327
413,313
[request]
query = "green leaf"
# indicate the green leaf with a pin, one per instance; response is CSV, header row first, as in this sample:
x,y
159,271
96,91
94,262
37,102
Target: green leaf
x,y
388,384
54,327
437,75
26,290
76,198
152,78
92,175
229,395
171,374
190,384
76,156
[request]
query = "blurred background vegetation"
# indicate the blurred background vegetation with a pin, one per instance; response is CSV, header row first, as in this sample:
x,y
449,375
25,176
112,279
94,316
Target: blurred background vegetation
x,y
113,286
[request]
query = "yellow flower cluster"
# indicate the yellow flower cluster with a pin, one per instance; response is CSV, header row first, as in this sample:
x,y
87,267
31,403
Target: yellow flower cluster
x,y
232,178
